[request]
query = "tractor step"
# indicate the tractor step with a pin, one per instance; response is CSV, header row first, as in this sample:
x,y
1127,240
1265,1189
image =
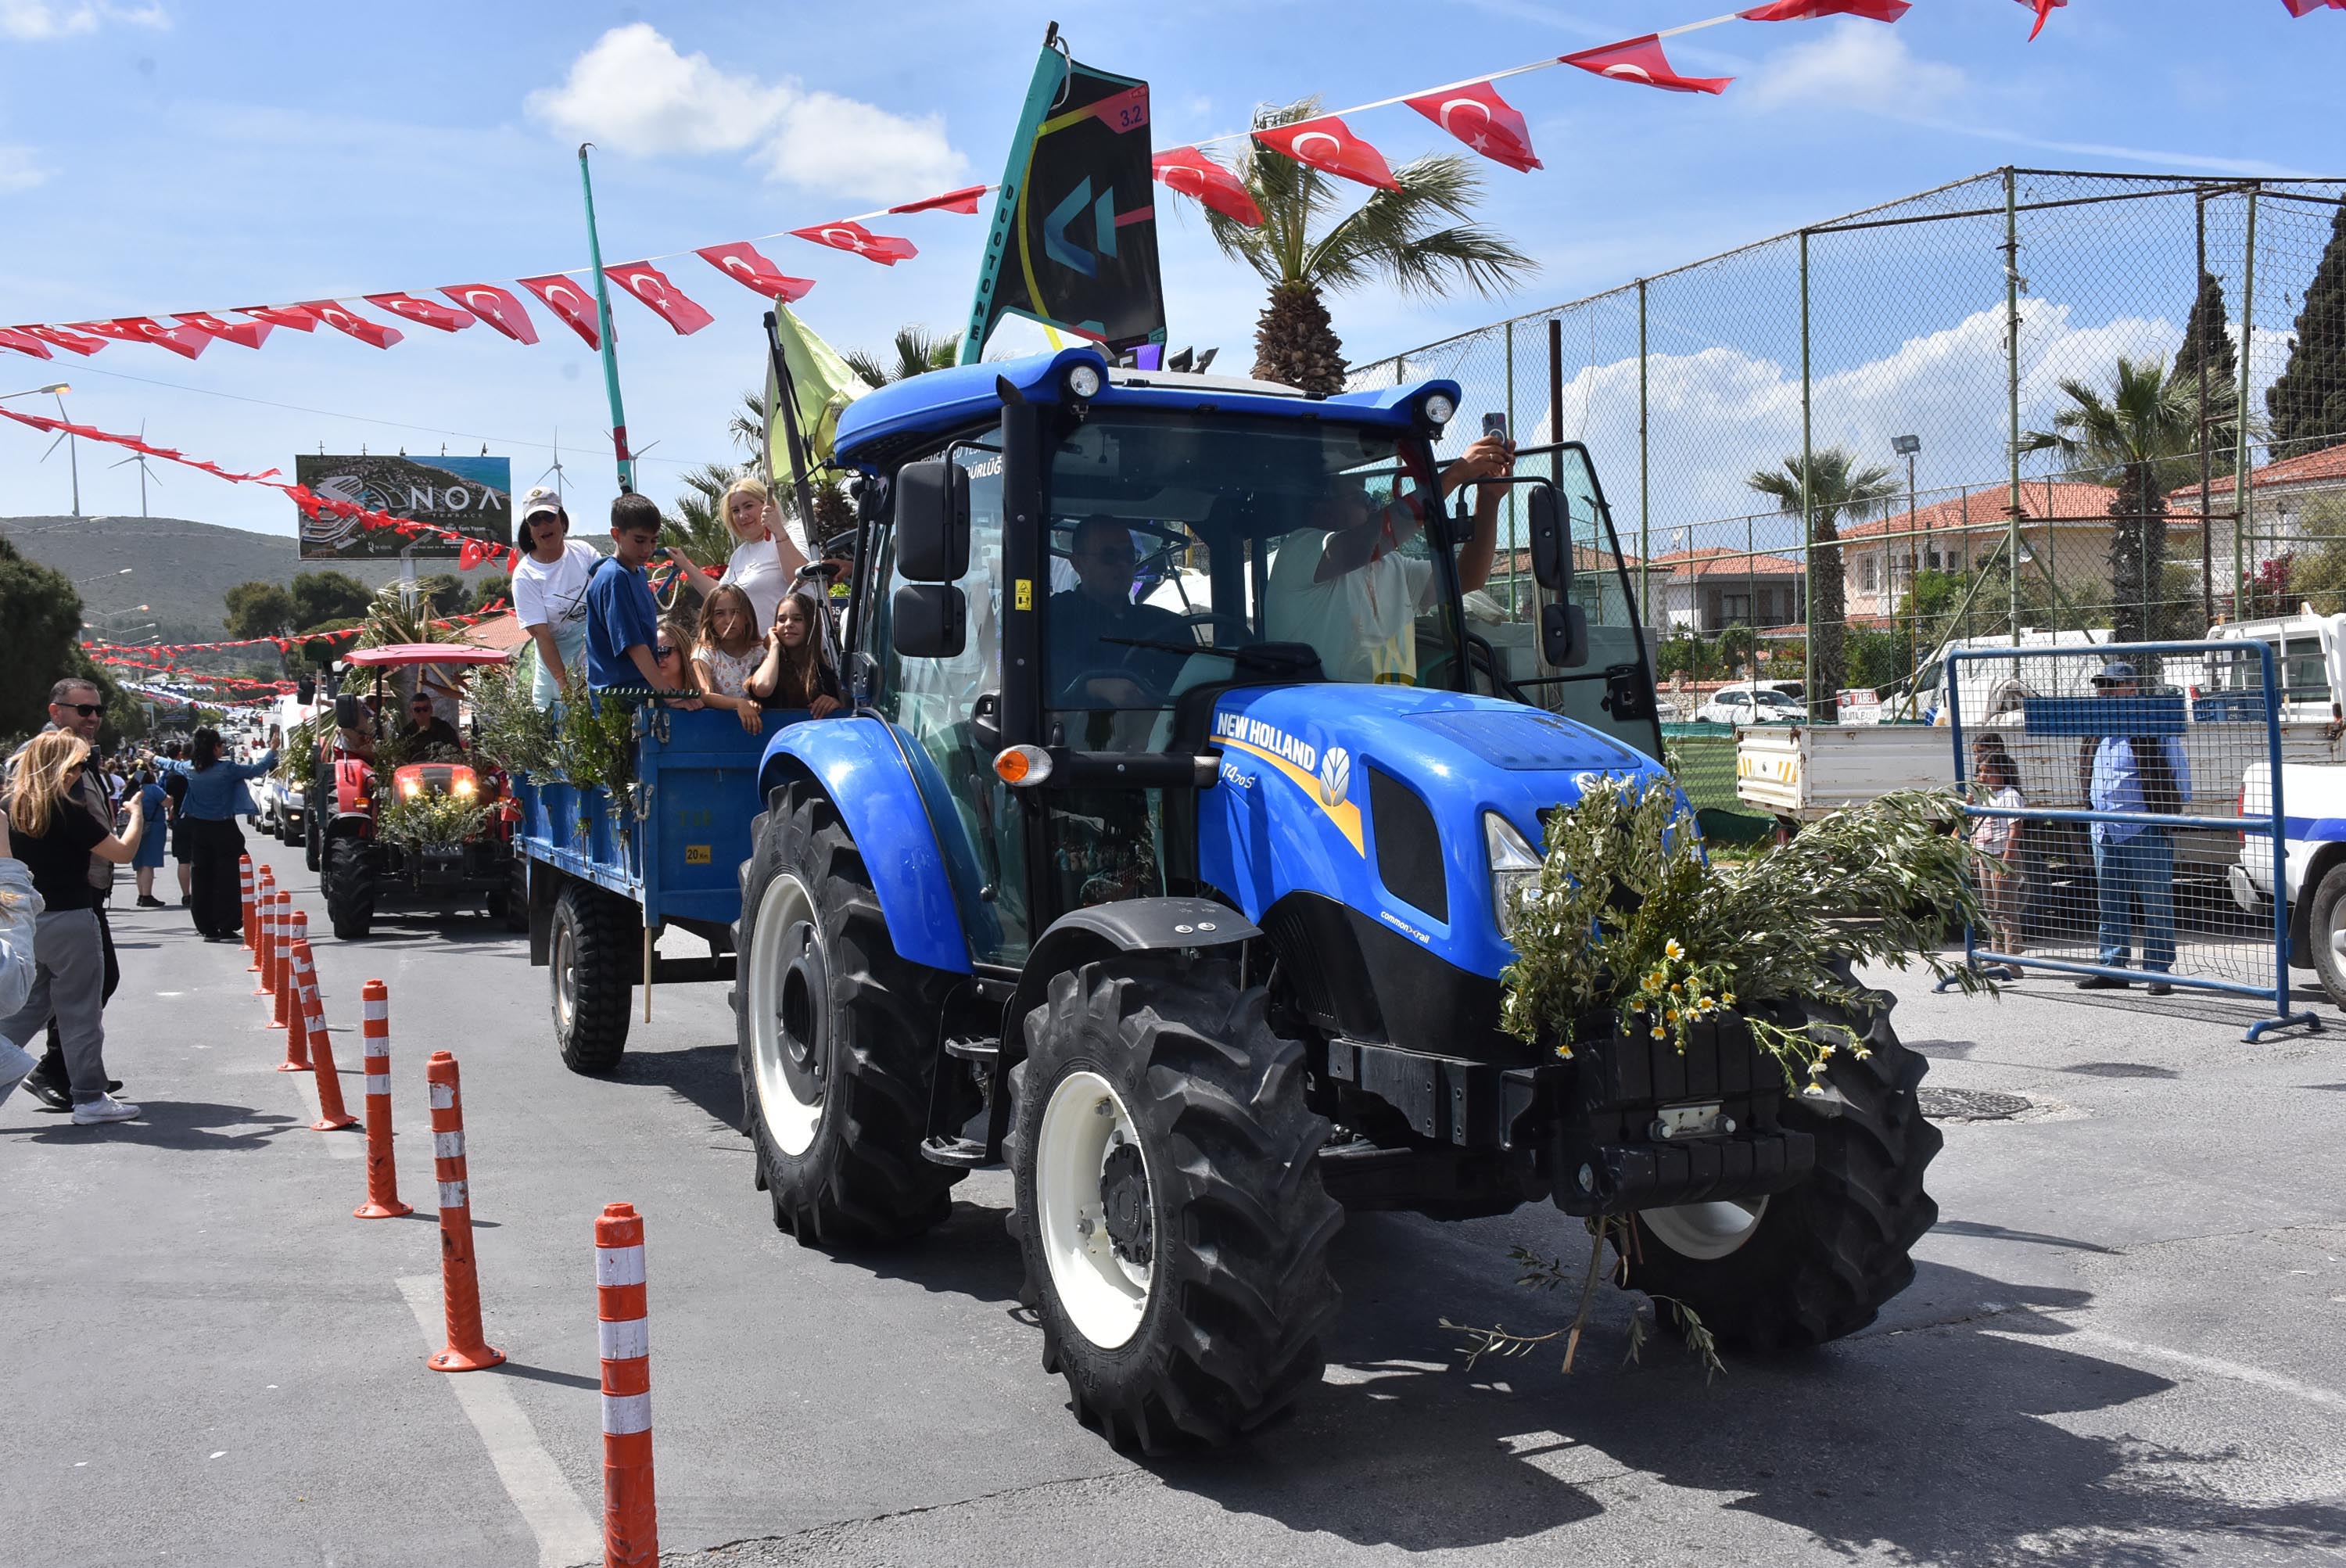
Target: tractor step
x,y
962,1154
985,1051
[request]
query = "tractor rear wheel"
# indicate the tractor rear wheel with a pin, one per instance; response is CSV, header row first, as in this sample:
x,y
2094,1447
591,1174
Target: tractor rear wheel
x,y
348,882
1167,1204
1816,1262
590,962
838,1037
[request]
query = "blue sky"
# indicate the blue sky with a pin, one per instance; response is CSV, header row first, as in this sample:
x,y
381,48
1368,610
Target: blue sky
x,y
182,156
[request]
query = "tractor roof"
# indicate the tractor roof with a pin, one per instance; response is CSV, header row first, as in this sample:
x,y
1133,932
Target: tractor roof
x,y
883,426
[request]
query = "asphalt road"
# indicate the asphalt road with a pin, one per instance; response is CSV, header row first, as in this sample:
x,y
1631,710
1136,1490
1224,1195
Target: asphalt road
x,y
2121,1346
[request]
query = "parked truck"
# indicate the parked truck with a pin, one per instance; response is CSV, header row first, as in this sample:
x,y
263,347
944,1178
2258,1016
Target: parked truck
x,y
2313,807
1201,925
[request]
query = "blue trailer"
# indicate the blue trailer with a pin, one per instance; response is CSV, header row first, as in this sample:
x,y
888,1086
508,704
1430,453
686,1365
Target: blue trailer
x,y
1163,851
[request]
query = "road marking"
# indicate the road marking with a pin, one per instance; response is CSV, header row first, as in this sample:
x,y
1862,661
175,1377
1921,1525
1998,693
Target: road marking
x,y
566,1531
338,1142
2214,1366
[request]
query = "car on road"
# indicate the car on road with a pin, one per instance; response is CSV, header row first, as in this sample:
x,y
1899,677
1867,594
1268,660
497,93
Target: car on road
x,y
1748,704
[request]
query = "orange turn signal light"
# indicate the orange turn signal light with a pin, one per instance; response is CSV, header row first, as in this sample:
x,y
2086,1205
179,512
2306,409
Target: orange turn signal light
x,y
1022,765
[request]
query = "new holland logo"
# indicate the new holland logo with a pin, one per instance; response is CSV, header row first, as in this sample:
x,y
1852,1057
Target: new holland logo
x,y
1335,777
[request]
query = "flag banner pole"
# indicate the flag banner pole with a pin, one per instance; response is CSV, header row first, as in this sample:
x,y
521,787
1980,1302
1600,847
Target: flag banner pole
x,y
603,320
785,396
1051,73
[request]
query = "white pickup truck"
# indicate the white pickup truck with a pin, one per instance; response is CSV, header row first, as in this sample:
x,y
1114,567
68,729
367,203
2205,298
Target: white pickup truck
x,y
2313,827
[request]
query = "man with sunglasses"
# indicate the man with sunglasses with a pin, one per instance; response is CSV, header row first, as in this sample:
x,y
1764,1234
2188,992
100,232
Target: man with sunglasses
x,y
426,729
77,705
1090,629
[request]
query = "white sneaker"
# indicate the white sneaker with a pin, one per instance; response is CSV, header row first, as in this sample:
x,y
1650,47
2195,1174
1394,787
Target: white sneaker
x,y
104,1109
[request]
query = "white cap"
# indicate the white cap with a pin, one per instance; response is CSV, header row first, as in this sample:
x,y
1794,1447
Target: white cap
x,y
541,499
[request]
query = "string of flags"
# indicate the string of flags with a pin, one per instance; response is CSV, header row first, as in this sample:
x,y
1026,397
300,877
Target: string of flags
x,y
1473,111
97,649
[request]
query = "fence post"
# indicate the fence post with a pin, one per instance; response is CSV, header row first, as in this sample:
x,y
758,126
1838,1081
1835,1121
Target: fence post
x,y
2011,388
1807,507
1514,536
2240,417
2206,544
1644,488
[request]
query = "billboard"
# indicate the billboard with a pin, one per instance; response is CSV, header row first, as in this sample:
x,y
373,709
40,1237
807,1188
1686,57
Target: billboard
x,y
473,495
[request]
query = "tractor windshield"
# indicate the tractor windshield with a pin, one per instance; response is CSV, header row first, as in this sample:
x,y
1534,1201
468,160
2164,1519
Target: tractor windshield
x,y
1174,535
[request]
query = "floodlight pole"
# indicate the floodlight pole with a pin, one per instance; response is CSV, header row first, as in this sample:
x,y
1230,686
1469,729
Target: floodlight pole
x,y
603,326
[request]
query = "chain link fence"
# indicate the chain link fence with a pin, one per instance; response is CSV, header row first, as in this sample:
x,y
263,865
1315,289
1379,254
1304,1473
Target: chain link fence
x,y
2013,403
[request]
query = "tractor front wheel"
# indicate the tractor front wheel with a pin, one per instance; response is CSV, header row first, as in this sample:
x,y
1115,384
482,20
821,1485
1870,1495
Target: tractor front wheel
x,y
348,882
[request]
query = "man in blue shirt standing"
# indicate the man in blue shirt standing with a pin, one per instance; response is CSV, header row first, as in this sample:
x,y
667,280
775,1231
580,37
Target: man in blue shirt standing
x,y
622,617
2133,861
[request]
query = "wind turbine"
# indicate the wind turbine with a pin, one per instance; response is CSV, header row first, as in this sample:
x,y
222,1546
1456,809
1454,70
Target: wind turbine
x,y
140,459
555,470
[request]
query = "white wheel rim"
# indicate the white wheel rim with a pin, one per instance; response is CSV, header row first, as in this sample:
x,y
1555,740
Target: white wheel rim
x,y
791,1119
1705,1231
566,977
1104,1294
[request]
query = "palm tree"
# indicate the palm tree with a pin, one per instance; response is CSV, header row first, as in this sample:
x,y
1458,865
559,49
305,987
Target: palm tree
x,y
1393,237
1834,487
2136,439
917,351
694,524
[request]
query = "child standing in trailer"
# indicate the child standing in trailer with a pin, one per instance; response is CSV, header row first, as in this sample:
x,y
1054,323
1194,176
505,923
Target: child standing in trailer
x,y
2004,888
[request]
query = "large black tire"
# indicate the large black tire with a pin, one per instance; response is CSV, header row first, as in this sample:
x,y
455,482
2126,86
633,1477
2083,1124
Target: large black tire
x,y
510,908
591,962
348,882
2324,921
1827,1254
838,1037
1227,1215
313,839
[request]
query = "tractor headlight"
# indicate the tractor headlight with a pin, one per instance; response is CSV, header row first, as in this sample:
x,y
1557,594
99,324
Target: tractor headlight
x,y
463,787
1084,382
1438,408
1514,867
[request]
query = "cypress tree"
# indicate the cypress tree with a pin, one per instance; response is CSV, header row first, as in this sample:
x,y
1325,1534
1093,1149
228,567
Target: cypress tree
x,y
2308,404
2207,343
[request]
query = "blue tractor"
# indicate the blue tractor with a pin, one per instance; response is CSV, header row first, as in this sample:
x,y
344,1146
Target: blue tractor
x,y
1192,749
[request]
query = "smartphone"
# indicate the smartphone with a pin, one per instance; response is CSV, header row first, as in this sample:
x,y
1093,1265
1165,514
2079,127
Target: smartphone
x,y
1496,424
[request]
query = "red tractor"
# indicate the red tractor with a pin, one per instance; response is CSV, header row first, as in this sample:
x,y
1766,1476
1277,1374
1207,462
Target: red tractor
x,y
435,835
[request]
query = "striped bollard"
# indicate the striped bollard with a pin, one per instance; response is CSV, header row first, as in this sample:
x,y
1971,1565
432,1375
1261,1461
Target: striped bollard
x,y
382,1175
280,969
284,932
331,1114
244,898
630,1513
264,909
460,1284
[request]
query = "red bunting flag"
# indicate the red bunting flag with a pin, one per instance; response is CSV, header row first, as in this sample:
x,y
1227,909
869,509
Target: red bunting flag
x,y
1327,143
1812,10
23,343
2043,8
58,337
292,316
649,284
565,298
1476,114
185,341
468,554
422,310
742,262
496,306
243,334
1641,60
886,249
1200,177
374,334
2307,7
964,201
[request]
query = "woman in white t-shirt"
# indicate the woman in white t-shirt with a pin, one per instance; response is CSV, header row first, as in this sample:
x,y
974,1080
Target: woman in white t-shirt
x,y
765,560
549,594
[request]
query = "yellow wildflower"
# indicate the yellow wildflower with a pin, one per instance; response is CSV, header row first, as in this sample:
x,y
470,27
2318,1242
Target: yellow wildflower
x,y
1729,997
1672,949
1671,1016
1658,1032
1657,980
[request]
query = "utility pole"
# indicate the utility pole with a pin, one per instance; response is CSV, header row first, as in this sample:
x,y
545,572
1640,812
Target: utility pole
x,y
1906,446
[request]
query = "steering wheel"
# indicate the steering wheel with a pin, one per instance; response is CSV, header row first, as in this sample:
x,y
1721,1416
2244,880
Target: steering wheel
x,y
1078,684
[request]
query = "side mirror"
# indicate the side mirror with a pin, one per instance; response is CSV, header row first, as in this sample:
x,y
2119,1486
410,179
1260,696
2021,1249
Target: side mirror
x,y
305,690
929,620
349,713
1551,567
1563,636
932,522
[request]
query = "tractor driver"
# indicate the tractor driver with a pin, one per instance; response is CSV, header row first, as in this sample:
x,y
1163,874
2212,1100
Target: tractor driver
x,y
1090,629
1342,585
426,729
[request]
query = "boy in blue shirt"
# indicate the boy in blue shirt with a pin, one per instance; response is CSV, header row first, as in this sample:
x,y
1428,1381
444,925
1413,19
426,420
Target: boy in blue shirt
x,y
622,617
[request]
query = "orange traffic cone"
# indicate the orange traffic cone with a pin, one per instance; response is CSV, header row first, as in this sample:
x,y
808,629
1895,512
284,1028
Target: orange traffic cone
x,y
630,1513
382,1175
331,1115
460,1285
280,989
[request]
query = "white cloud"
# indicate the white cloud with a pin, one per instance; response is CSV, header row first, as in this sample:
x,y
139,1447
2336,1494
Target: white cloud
x,y
632,92
17,170
37,20
1858,65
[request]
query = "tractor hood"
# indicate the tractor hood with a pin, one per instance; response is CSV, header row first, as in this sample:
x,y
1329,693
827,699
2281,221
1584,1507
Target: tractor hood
x,y
1373,797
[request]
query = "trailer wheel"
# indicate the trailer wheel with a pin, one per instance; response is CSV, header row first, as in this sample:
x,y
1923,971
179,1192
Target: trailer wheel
x,y
349,886
838,1036
2325,927
1817,1262
590,964
1168,1202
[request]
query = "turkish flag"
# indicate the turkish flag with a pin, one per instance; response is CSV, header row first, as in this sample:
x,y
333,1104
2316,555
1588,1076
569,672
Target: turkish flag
x,y
496,306
1328,143
1194,175
1811,10
60,338
886,249
2043,8
185,341
294,316
422,310
964,200
1641,60
649,284
373,333
742,262
565,298
1477,116
2307,7
243,334
25,344
468,554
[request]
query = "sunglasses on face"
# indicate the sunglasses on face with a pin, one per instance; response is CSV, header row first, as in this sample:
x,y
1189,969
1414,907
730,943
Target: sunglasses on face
x,y
87,709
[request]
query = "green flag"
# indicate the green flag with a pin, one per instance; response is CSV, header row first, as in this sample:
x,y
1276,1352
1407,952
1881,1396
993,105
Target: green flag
x,y
823,385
